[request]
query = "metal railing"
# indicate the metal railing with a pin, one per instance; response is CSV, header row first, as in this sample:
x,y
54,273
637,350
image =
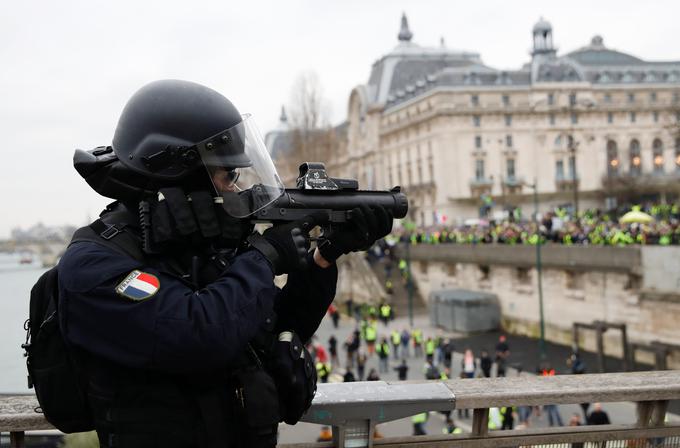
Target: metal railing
x,y
353,409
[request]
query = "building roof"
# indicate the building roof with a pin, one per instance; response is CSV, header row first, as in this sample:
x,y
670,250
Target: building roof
x,y
597,54
409,64
409,69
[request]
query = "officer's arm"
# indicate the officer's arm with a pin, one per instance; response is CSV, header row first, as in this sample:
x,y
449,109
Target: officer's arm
x,y
176,329
303,302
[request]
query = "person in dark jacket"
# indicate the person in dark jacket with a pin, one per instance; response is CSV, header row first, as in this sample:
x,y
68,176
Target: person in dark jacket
x,y
598,416
485,363
169,308
402,370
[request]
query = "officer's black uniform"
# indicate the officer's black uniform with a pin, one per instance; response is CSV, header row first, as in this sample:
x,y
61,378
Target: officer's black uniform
x,y
160,369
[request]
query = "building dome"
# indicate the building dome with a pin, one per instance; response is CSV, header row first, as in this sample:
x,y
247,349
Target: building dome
x,y
542,26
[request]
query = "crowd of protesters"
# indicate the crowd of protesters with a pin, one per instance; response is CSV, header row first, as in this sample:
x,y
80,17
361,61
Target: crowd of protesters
x,y
591,227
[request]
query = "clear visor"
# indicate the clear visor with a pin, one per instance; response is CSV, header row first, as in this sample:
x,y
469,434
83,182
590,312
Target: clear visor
x,y
241,169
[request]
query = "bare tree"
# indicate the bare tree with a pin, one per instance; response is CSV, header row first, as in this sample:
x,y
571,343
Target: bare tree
x,y
311,136
308,109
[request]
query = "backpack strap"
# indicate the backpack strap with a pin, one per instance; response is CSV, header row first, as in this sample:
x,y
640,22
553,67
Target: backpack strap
x,y
113,236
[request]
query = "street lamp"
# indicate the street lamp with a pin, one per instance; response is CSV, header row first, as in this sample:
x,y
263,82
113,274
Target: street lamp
x,y
572,146
409,281
539,271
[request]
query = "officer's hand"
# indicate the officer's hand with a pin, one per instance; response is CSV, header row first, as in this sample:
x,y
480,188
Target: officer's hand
x,y
295,376
286,245
364,227
175,218
178,218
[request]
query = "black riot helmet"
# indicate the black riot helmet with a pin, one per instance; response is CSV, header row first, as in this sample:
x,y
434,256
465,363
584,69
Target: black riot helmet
x,y
178,133
164,124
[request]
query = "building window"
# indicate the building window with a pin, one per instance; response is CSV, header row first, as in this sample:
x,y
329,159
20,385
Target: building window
x,y
559,170
510,169
655,116
551,117
633,117
610,117
572,167
474,99
635,159
523,277
612,158
652,97
508,120
506,100
677,154
631,97
607,98
551,99
479,169
572,99
478,141
676,97
508,141
476,120
574,280
484,271
657,154
574,118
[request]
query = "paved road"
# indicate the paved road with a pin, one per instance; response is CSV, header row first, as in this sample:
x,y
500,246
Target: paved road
x,y
523,353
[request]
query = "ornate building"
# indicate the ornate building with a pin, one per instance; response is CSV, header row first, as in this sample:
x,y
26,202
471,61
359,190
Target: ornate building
x,y
589,127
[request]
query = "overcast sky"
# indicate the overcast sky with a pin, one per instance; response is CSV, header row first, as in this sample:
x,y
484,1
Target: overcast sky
x,y
67,67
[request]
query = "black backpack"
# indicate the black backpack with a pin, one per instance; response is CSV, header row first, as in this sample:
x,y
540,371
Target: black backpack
x,y
59,382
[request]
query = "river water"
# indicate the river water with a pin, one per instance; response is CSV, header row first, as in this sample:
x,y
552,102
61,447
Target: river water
x,y
16,281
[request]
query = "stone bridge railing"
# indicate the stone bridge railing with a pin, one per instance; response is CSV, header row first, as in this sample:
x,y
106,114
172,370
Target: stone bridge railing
x,y
353,409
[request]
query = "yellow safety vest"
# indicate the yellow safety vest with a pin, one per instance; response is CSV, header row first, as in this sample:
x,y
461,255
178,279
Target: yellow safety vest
x,y
419,418
322,369
371,333
396,338
429,347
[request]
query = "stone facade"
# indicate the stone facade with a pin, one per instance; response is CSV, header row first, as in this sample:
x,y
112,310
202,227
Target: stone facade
x,y
449,129
575,289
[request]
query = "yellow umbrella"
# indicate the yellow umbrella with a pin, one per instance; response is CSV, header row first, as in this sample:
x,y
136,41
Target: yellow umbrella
x,y
636,216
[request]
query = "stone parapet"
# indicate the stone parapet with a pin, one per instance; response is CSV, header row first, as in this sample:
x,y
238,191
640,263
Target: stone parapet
x,y
611,259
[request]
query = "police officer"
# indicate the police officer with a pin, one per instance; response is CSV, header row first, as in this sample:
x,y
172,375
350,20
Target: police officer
x,y
167,302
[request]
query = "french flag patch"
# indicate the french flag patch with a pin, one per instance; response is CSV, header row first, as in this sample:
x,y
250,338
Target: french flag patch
x,y
138,286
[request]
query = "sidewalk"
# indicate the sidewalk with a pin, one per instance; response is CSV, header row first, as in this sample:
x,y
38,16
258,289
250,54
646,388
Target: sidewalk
x,y
524,353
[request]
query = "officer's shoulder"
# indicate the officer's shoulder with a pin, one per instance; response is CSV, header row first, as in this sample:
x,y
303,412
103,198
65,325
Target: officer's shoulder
x,y
86,264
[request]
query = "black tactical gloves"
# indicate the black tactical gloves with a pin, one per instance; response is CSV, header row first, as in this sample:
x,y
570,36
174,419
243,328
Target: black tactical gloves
x,y
295,376
365,226
175,218
286,245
